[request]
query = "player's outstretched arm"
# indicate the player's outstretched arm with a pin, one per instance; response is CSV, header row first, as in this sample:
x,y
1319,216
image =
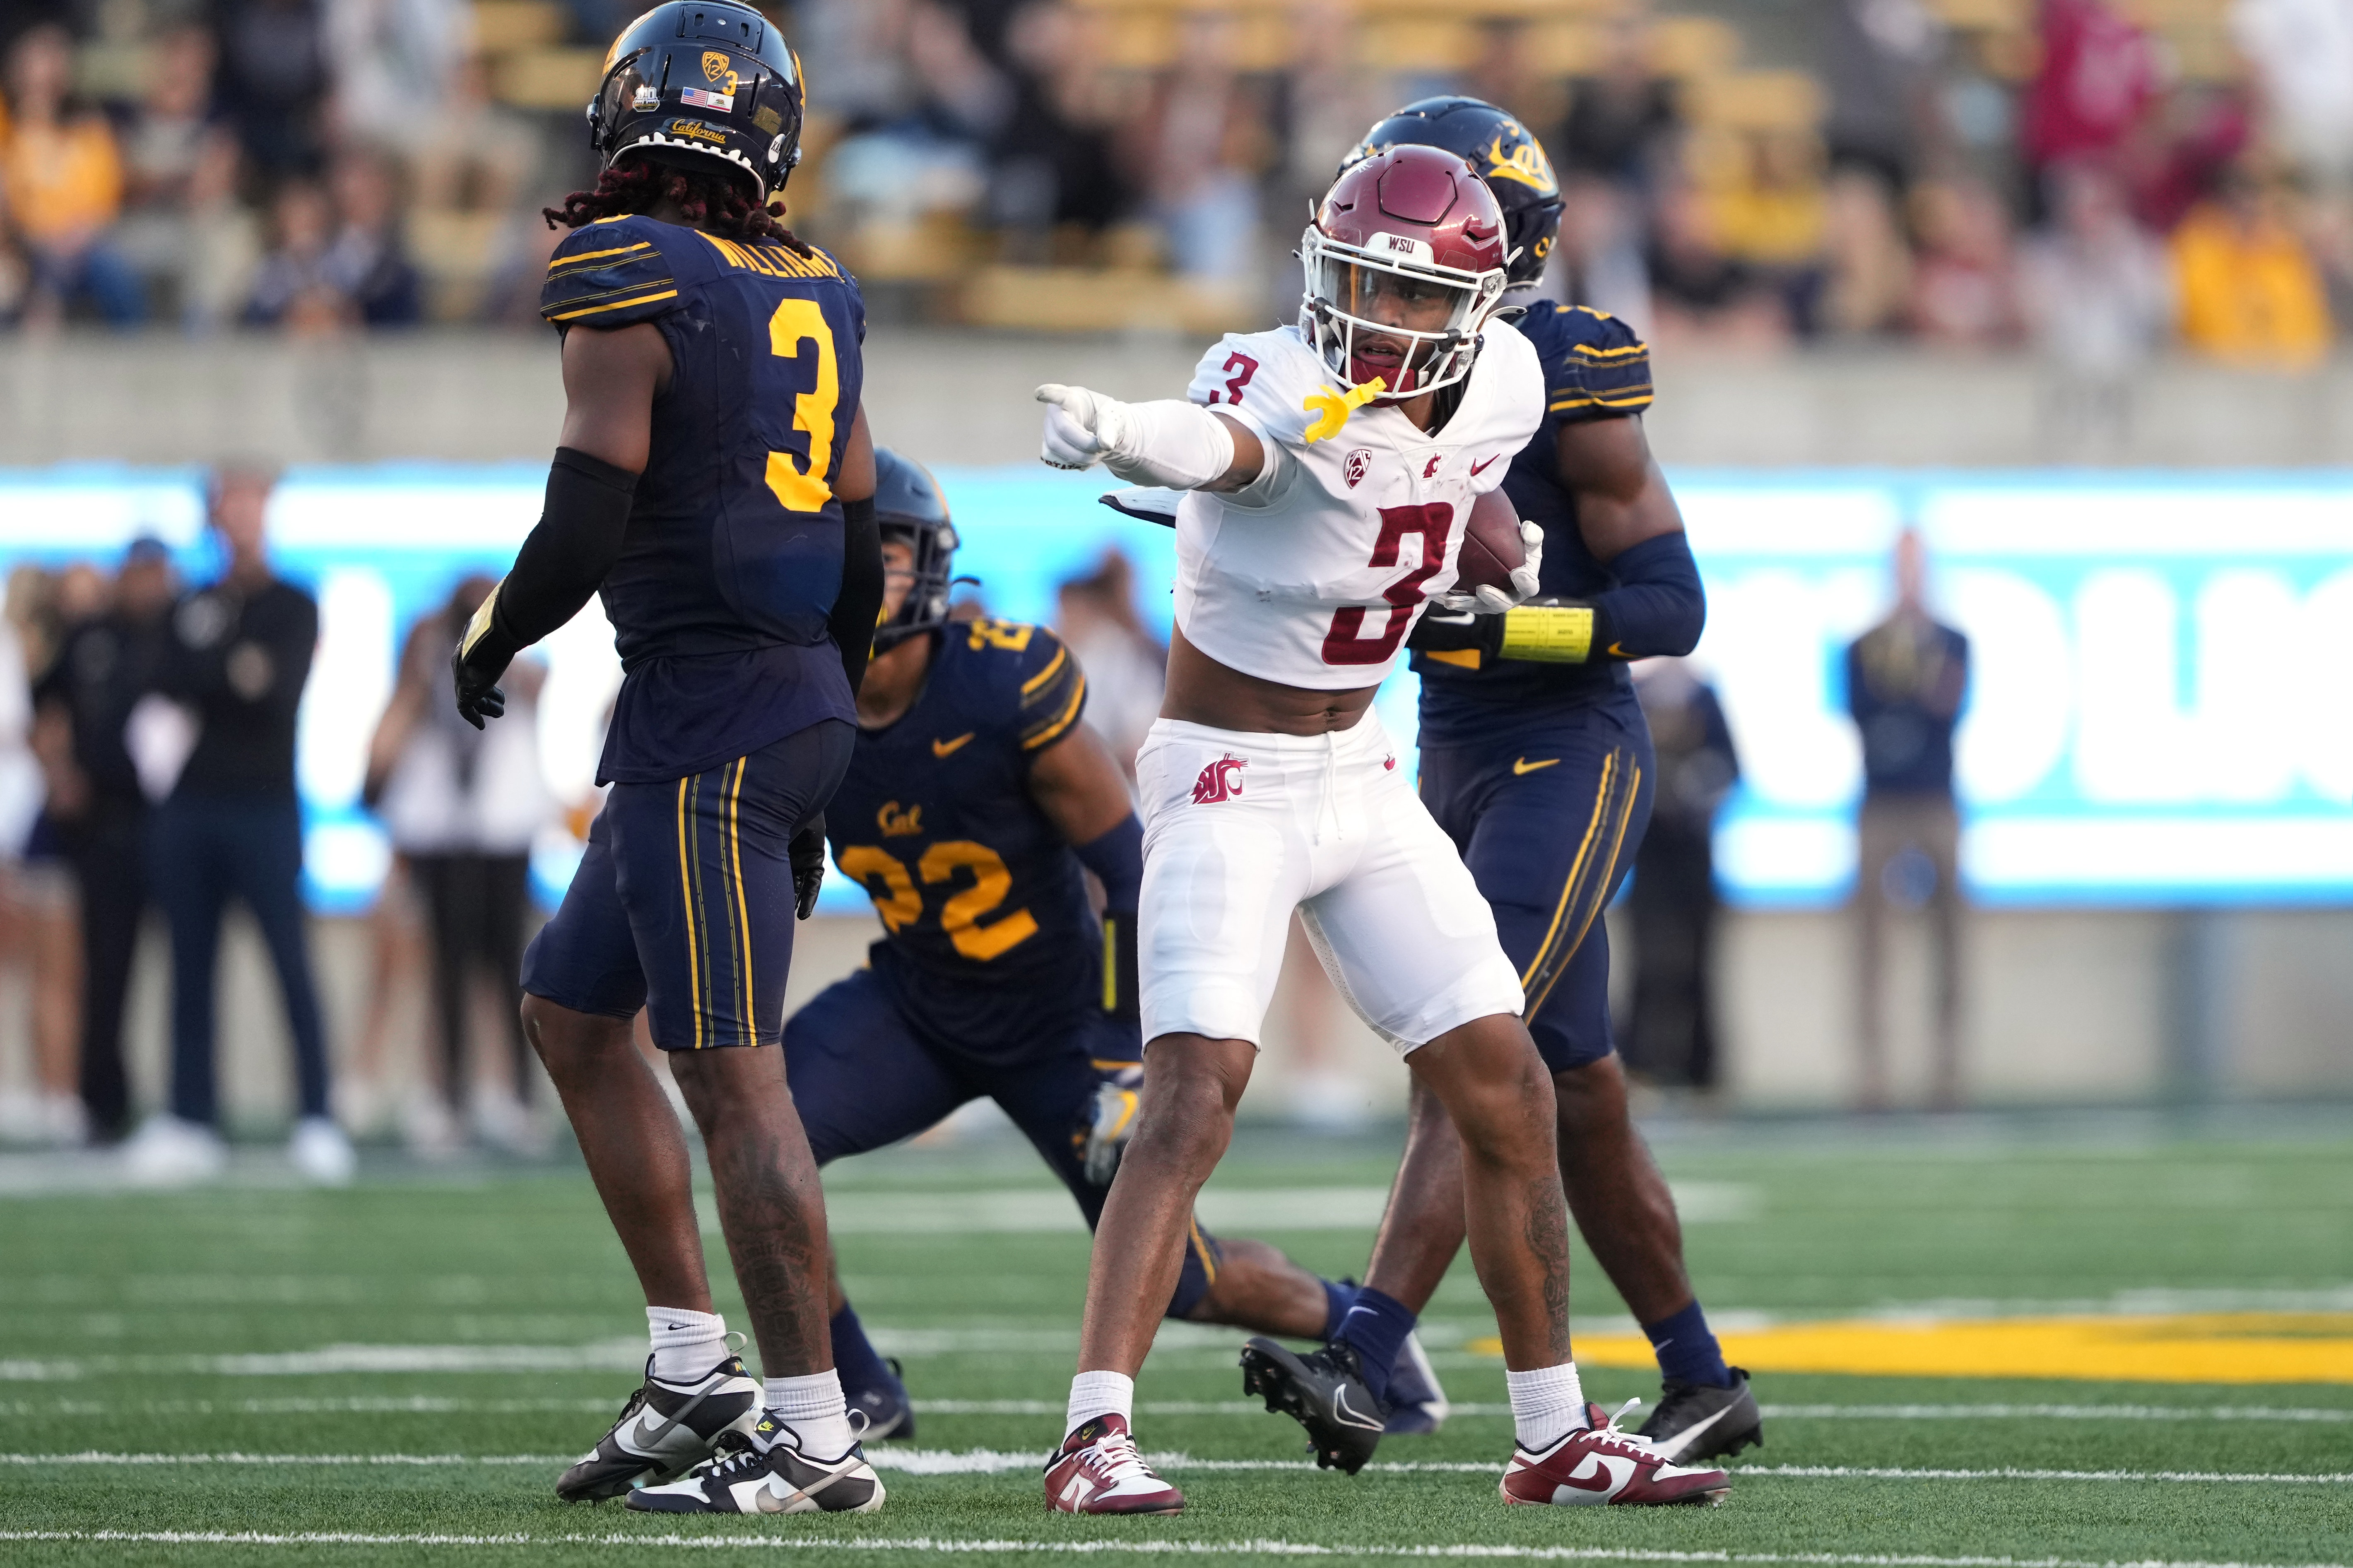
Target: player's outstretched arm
x,y
1168,442
610,382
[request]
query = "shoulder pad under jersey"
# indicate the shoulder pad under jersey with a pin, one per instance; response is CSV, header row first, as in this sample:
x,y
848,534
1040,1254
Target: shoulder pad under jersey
x,y
615,272
1595,367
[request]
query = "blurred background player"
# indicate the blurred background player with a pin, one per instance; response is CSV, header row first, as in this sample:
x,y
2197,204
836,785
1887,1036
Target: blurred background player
x,y
1671,1033
1268,786
714,481
974,798
1905,680
1537,761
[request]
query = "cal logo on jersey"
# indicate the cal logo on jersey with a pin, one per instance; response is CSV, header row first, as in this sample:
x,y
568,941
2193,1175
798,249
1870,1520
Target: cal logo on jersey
x,y
898,823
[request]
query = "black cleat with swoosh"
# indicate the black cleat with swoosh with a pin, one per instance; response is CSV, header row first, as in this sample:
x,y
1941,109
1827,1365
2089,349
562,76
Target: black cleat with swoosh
x,y
664,1428
764,1471
1694,1421
1324,1392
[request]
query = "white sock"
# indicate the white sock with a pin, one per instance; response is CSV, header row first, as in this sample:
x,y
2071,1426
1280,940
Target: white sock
x,y
1546,1404
1094,1394
686,1344
814,1411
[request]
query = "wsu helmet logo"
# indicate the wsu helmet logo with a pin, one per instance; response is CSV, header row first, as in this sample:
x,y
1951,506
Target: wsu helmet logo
x,y
1221,780
1360,462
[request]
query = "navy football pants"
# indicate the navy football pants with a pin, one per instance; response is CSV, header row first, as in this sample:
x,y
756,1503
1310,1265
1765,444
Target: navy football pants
x,y
862,1079
1548,817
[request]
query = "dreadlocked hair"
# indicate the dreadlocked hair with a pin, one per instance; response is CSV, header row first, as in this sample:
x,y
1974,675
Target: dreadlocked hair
x,y
715,200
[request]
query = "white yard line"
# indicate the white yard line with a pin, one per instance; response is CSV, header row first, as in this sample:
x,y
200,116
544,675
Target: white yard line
x,y
1097,1548
1000,1461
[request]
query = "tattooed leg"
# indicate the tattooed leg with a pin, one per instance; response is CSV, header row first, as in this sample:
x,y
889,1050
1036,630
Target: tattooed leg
x,y
771,1208
1496,1092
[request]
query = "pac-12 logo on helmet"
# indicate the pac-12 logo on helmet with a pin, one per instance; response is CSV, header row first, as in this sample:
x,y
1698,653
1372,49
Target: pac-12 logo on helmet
x,y
1512,162
713,78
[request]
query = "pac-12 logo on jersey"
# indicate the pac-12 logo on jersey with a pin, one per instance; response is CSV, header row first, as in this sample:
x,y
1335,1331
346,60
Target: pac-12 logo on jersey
x,y
1221,780
1360,462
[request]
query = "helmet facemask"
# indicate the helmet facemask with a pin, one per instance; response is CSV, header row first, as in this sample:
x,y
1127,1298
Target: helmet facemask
x,y
1419,319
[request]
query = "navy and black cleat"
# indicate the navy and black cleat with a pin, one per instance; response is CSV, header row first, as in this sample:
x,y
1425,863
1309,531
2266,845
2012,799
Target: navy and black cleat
x,y
1324,1392
889,1411
664,1428
1696,1421
1417,1405
764,1471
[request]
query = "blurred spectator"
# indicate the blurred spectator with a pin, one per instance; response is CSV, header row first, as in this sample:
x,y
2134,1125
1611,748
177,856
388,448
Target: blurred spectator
x,y
475,156
1867,270
1905,680
107,662
368,263
2098,77
1126,665
61,183
1598,260
1879,63
2248,291
1964,288
2302,55
392,62
1054,169
274,80
1670,1037
2180,154
462,807
2096,293
1201,153
297,286
230,824
176,187
1769,211
1622,123
1698,292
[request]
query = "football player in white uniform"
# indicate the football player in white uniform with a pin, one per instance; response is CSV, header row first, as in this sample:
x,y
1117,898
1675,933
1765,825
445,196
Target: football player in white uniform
x,y
1329,469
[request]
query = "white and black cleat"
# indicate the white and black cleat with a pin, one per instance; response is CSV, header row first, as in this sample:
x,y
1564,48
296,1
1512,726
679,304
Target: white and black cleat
x,y
1695,1421
762,1471
1323,1391
664,1428
1417,1405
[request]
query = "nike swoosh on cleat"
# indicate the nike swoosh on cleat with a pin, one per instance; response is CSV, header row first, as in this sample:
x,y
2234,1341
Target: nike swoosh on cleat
x,y
943,747
1340,1408
1672,1448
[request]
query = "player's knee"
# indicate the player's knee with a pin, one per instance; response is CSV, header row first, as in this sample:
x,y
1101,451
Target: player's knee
x,y
568,1042
1592,1098
1190,1089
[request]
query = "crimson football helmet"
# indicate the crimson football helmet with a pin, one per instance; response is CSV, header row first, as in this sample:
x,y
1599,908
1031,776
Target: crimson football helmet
x,y
1405,264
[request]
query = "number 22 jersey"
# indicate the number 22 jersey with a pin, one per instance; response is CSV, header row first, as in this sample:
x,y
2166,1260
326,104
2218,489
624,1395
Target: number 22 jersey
x,y
733,556
1313,574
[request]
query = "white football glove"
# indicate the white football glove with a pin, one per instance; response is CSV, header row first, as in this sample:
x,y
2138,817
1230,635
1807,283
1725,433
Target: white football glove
x,y
1166,442
1083,427
1486,600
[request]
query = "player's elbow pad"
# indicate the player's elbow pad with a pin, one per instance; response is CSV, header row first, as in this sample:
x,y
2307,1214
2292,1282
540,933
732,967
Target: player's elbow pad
x,y
566,556
859,606
1658,606
1117,858
1173,443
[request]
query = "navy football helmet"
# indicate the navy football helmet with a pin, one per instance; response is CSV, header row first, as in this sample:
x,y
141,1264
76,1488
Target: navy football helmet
x,y
910,509
713,78
1507,157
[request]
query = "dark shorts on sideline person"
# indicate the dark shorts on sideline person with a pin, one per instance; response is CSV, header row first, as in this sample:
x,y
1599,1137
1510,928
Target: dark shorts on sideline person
x,y
684,904
1547,813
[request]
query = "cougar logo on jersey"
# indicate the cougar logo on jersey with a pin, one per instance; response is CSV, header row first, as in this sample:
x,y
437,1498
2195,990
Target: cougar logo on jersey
x,y
1429,469
1360,462
1221,780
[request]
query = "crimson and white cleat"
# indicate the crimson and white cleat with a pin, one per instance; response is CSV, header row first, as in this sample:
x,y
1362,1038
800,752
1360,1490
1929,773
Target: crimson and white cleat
x,y
1602,1465
1098,1470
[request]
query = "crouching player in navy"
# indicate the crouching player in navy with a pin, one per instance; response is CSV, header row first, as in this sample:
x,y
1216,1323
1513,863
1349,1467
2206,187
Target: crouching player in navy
x,y
1535,759
973,799
715,483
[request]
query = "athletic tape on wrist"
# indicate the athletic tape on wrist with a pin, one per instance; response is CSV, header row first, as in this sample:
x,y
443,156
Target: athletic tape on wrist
x,y
1548,634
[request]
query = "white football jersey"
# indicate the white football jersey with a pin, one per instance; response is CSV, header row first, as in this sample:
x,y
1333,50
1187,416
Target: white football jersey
x,y
1313,574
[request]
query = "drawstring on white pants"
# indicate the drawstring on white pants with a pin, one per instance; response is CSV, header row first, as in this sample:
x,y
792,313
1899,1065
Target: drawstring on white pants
x,y
1331,797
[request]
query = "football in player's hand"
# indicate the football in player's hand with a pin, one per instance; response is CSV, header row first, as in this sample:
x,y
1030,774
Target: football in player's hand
x,y
1490,545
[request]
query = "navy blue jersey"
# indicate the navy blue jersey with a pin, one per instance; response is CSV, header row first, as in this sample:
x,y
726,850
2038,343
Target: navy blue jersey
x,y
734,554
990,944
1595,368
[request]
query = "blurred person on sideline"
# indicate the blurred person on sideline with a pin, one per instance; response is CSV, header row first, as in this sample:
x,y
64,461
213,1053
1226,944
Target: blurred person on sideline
x,y
462,807
107,662
1126,665
1963,284
2247,290
61,176
297,287
2098,297
1671,1026
53,607
1905,680
274,80
230,824
367,262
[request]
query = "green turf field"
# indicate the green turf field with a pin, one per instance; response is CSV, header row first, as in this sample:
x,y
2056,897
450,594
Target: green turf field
x,y
396,1373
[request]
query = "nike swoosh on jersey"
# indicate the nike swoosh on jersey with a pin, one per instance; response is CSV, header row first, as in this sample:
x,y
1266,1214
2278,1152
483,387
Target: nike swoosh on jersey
x,y
941,748
1477,468
1521,766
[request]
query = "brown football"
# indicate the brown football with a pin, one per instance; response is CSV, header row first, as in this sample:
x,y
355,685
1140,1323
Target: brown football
x,y
1490,544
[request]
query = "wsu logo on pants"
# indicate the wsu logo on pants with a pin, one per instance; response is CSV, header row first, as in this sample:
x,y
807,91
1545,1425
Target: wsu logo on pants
x,y
1221,780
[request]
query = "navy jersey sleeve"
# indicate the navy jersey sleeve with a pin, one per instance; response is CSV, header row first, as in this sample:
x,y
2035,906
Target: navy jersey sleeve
x,y
1595,367
611,273
1036,690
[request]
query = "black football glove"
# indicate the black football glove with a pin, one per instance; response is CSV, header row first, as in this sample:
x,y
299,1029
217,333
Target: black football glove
x,y
1535,633
1442,630
807,854
482,656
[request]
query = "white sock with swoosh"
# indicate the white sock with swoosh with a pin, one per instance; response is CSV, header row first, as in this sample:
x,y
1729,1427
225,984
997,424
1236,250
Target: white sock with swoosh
x,y
686,1344
1546,1404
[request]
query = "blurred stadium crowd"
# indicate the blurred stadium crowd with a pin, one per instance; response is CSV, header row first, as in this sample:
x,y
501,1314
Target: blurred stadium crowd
x,y
2099,178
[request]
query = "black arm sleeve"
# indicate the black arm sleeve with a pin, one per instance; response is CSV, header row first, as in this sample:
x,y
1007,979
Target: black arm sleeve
x,y
860,603
577,542
1659,605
